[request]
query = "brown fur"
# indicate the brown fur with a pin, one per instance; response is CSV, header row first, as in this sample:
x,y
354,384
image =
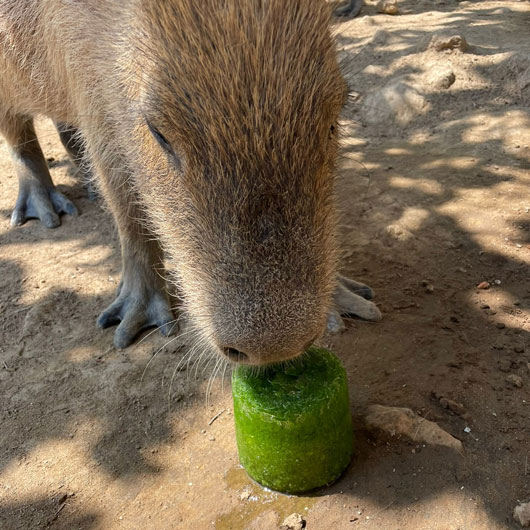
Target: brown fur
x,y
247,92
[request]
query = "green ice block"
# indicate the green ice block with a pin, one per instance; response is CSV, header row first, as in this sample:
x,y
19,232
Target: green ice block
x,y
293,424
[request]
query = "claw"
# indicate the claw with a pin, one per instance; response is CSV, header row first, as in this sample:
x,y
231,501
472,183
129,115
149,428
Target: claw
x,y
356,287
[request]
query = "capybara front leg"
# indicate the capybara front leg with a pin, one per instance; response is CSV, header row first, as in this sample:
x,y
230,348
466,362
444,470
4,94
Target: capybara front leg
x,y
141,300
37,196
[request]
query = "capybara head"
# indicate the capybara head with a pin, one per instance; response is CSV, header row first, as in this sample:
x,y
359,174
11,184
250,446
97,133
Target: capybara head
x,y
236,105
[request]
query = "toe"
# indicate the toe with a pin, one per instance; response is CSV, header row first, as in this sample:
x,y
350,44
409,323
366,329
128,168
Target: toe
x,y
18,218
62,204
109,317
50,220
167,326
70,209
129,328
357,288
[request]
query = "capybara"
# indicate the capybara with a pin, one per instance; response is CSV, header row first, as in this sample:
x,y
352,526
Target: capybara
x,y
211,131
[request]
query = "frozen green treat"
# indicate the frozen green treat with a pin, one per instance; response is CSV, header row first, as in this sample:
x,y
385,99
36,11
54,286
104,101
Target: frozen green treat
x,y
293,423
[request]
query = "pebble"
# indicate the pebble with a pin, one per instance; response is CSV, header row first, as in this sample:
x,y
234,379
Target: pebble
x,y
453,406
518,349
442,42
398,421
505,365
515,380
500,325
521,514
388,7
293,522
244,496
441,77
484,306
483,285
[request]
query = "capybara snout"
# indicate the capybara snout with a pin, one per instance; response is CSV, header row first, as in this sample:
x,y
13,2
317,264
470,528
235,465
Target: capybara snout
x,y
239,181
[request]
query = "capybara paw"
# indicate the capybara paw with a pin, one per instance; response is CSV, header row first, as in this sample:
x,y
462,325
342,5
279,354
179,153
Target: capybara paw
x,y
352,300
38,202
135,310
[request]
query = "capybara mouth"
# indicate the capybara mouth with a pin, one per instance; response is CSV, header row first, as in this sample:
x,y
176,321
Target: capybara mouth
x,y
237,357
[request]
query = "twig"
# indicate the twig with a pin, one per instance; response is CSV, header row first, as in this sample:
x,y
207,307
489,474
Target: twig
x,y
54,518
60,409
7,367
215,417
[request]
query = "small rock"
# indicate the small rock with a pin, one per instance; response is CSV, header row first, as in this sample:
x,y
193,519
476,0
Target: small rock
x,y
462,474
505,365
402,421
388,7
293,522
484,306
442,42
515,380
441,77
244,496
521,514
483,285
499,344
500,325
395,232
429,288
519,348
397,102
453,406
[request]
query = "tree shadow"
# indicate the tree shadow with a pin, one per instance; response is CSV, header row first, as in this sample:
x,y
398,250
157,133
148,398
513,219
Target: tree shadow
x,y
46,513
416,202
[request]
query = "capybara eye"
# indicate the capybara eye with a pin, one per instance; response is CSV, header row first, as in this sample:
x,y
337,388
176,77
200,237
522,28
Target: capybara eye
x,y
160,138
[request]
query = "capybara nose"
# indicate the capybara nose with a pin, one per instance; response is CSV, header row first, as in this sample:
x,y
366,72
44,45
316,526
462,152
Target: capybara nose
x,y
259,354
235,355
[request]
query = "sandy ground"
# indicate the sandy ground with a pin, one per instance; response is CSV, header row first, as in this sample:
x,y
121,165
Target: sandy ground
x,y
435,193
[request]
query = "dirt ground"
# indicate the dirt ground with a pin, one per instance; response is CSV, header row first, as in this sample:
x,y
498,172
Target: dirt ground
x,y
434,191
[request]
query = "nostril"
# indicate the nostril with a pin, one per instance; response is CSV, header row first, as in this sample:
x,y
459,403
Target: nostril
x,y
235,355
